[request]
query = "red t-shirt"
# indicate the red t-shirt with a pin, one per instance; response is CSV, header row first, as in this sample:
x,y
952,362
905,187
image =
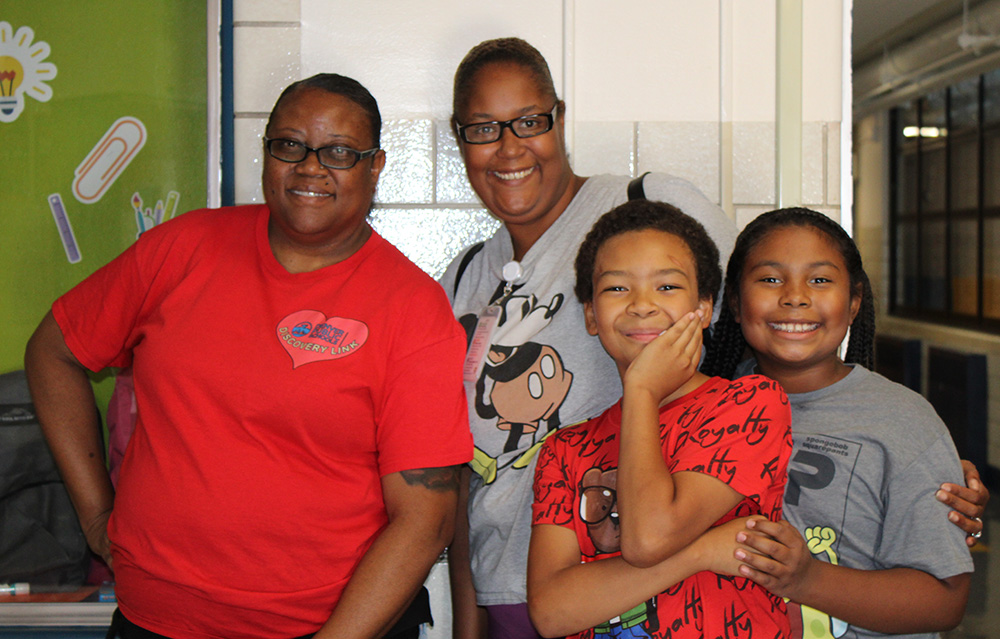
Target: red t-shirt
x,y
738,432
270,405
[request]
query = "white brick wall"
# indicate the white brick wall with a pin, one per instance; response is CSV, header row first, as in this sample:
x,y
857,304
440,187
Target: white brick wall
x,y
649,86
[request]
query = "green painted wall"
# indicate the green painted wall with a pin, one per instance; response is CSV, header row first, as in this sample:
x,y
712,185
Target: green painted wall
x,y
99,61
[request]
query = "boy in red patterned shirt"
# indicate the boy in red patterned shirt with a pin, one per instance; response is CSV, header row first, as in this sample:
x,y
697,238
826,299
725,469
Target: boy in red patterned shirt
x,y
620,499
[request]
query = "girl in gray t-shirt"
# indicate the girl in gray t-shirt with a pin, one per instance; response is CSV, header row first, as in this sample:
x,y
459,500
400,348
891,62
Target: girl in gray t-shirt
x,y
866,548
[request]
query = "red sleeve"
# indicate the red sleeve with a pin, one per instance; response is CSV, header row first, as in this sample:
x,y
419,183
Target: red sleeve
x,y
423,418
97,316
742,436
555,494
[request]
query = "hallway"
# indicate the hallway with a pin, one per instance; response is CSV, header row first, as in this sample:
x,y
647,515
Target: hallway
x,y
982,615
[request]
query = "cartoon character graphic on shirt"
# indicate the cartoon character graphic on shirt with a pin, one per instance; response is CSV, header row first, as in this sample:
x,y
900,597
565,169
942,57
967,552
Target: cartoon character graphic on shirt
x,y
599,510
820,540
523,383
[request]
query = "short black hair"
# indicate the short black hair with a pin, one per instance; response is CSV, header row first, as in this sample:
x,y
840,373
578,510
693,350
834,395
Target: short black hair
x,y
640,215
338,85
514,51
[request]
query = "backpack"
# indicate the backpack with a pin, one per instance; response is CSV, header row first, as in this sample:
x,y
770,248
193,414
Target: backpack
x,y
40,537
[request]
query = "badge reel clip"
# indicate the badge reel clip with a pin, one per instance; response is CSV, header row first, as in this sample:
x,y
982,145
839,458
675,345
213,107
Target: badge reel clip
x,y
486,323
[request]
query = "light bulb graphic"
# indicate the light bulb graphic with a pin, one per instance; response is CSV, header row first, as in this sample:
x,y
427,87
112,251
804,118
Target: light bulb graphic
x,y
23,70
11,76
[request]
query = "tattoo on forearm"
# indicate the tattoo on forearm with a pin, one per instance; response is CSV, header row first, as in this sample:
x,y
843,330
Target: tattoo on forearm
x,y
442,479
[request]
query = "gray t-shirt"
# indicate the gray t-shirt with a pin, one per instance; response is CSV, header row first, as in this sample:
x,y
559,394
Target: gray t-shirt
x,y
868,455
543,370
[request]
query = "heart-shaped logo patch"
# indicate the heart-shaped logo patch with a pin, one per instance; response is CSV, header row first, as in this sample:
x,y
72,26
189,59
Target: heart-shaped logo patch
x,y
311,336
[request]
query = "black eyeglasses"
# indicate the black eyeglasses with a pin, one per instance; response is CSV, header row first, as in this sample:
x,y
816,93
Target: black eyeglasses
x,y
332,157
526,126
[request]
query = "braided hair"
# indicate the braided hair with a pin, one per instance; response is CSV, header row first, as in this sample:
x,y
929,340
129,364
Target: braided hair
x,y
729,337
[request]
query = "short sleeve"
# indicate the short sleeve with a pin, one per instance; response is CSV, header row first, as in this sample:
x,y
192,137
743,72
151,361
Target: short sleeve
x,y
744,440
554,494
913,516
97,317
423,419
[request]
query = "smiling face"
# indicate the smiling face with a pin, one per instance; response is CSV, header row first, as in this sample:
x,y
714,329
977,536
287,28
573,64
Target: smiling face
x,y
795,306
312,207
644,281
525,182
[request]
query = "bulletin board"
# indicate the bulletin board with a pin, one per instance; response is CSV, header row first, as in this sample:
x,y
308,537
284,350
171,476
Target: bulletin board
x,y
103,123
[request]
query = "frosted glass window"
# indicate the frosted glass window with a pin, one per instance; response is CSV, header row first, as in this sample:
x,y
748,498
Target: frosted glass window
x,y
433,237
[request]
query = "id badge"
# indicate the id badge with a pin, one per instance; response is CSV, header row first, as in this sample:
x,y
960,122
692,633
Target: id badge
x,y
480,344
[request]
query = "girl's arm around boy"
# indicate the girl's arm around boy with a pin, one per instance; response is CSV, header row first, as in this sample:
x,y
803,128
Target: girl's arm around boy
x,y
892,601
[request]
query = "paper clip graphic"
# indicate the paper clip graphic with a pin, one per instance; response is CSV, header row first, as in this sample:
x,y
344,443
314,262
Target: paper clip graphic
x,y
65,229
108,159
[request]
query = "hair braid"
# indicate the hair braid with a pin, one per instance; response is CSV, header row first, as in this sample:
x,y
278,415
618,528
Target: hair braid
x,y
861,344
726,347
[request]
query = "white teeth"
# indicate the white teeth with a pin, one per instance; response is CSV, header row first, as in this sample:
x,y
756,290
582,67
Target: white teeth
x,y
794,327
516,175
310,194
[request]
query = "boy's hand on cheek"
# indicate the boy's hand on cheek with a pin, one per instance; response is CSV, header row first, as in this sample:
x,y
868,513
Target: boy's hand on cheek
x,y
669,360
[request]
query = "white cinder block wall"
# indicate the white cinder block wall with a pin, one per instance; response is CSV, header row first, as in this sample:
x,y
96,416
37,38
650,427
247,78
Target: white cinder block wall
x,y
672,85
684,87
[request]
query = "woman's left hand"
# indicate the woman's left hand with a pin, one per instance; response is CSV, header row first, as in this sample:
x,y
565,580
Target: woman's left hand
x,y
967,502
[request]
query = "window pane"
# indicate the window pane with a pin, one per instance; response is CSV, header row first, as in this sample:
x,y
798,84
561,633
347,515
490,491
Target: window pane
x,y
933,124
991,167
991,97
906,154
907,184
933,172
906,265
933,111
991,141
964,105
991,268
964,172
964,260
934,293
963,137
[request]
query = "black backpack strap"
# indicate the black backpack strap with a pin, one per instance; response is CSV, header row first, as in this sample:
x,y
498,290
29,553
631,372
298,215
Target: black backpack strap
x,y
464,264
635,190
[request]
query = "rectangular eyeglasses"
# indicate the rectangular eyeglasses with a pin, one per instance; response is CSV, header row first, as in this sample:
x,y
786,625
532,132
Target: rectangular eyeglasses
x,y
332,157
526,126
